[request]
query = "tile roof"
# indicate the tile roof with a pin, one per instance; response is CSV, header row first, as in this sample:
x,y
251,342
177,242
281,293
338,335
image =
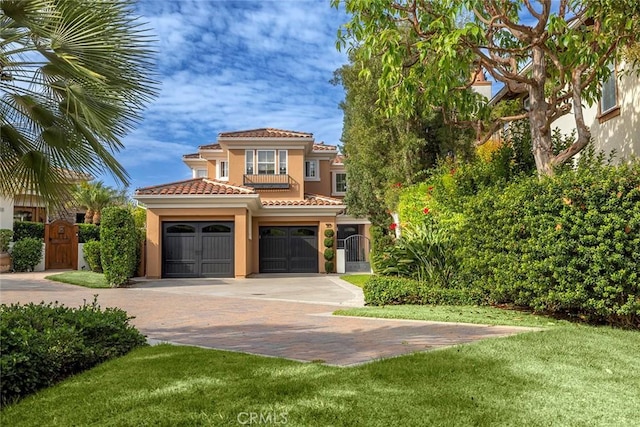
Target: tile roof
x,y
323,147
265,133
309,200
210,147
338,160
194,186
191,156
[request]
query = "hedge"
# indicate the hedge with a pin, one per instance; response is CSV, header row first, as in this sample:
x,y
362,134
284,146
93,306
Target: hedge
x,y
23,229
119,243
389,290
26,254
88,232
41,344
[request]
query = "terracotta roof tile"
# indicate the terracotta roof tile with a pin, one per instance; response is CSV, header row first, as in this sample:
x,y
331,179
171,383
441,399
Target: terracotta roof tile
x,y
210,147
338,160
265,133
194,186
323,147
191,156
309,200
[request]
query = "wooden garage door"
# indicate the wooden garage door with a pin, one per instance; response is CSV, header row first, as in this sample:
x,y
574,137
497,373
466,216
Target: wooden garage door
x,y
289,249
197,249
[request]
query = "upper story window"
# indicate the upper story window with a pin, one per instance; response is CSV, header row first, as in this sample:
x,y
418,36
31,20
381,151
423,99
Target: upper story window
x,y
609,98
339,183
200,173
265,162
223,169
311,172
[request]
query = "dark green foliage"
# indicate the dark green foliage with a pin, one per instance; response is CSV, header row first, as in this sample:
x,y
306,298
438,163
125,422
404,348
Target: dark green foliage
x,y
568,245
118,245
328,242
381,241
22,229
91,251
26,254
329,266
87,232
329,232
385,290
42,344
5,237
329,254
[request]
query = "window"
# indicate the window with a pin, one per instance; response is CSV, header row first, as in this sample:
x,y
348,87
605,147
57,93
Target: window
x,y
311,170
201,173
282,159
223,169
339,183
266,162
609,98
248,162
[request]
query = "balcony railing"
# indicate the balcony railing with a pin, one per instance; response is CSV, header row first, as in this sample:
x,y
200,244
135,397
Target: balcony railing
x,y
267,181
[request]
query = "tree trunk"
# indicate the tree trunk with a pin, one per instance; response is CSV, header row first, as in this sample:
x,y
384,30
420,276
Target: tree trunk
x,y
540,131
97,217
88,217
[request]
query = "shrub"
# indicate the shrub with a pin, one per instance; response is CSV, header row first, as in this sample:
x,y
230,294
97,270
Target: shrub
x,y
26,254
380,242
42,344
88,232
118,245
386,290
329,232
91,251
23,229
568,245
329,254
329,266
328,242
5,237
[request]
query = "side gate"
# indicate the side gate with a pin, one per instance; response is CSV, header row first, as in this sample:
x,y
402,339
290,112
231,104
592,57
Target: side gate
x,y
356,252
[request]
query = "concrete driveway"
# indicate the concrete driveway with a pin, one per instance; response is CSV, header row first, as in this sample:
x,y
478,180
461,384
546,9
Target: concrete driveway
x,y
280,316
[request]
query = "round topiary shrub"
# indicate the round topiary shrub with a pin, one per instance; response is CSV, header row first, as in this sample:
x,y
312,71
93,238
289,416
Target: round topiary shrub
x,y
329,254
328,242
328,266
26,254
329,232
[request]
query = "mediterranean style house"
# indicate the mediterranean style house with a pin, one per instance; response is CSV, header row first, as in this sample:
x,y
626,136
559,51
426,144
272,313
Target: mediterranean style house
x,y
259,201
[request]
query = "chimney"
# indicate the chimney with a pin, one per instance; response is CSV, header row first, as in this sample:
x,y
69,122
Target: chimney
x,y
481,85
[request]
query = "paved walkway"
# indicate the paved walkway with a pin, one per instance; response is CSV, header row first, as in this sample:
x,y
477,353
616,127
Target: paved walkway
x,y
272,316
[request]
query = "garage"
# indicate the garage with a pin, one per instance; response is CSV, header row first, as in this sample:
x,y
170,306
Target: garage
x,y
290,249
197,249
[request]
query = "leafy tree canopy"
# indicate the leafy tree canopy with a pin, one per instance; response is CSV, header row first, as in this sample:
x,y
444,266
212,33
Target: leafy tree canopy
x,y
556,52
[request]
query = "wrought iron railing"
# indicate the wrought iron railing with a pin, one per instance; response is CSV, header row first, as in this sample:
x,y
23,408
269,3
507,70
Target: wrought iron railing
x,y
267,181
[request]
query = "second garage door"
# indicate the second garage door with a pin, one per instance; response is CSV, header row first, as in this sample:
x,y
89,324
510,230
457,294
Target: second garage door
x,y
197,249
289,249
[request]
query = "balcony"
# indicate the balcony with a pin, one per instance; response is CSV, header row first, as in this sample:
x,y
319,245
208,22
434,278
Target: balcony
x,y
267,181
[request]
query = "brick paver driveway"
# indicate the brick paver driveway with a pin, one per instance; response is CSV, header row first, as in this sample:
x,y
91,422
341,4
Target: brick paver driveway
x,y
273,316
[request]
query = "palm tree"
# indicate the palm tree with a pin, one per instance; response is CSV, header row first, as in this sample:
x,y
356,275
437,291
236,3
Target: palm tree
x,y
74,78
95,196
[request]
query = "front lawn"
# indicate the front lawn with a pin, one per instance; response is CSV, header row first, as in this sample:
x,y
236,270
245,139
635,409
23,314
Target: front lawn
x,y
356,279
565,375
88,279
483,315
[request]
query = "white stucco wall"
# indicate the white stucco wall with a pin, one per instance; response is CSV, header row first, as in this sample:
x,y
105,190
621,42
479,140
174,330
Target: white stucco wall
x,y
6,213
620,133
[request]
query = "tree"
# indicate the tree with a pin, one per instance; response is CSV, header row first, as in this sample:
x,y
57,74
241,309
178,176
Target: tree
x,y
95,196
384,150
74,78
556,52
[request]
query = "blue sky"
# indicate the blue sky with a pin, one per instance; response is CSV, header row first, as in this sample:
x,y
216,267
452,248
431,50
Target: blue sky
x,y
233,65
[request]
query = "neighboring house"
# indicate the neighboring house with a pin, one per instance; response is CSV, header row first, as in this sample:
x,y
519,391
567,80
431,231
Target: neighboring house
x,y
29,206
614,120
259,201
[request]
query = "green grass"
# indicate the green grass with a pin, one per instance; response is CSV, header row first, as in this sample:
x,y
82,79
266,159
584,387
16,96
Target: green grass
x,y
571,375
356,279
463,314
88,279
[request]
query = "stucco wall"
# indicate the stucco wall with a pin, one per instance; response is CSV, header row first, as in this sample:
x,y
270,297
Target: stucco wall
x,y
6,213
323,186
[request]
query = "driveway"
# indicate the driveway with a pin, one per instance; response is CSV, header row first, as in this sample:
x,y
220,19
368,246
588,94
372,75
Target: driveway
x,y
281,316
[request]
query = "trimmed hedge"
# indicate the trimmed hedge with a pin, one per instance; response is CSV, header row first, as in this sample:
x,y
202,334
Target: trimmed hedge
x,y
23,229
41,344
387,290
119,244
91,251
88,232
26,254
